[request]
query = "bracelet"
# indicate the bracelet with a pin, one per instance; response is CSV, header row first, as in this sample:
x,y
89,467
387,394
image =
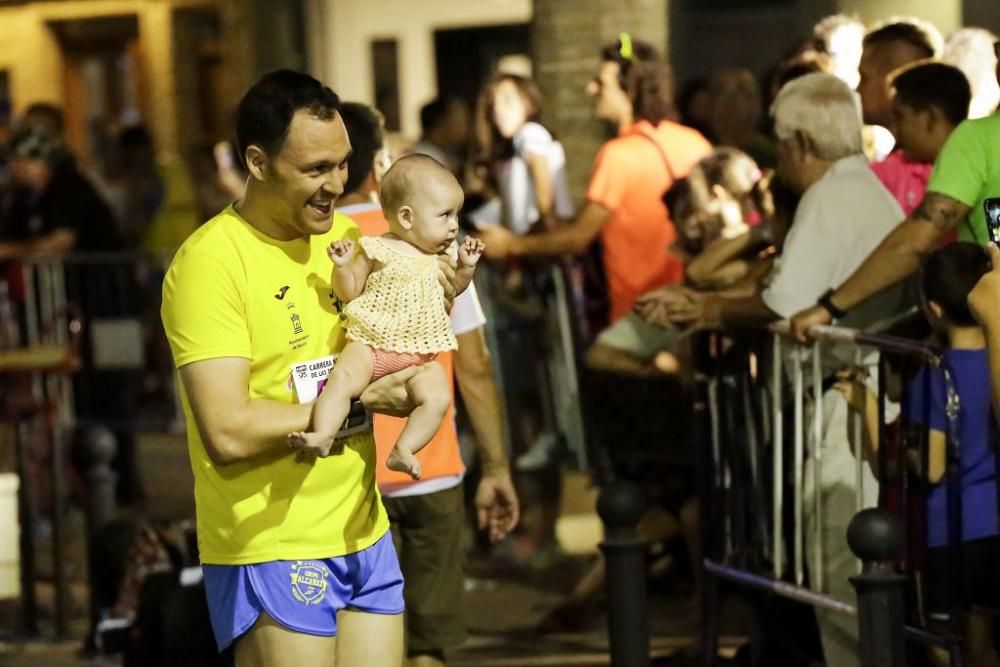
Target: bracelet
x,y
827,302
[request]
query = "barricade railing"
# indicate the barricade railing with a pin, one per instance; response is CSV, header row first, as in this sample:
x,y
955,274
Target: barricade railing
x,y
76,332
760,431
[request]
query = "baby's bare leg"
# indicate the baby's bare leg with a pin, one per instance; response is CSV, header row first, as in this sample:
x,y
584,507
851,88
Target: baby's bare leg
x,y
347,380
431,393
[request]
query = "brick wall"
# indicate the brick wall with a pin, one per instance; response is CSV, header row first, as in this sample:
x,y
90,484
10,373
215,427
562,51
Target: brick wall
x,y
566,39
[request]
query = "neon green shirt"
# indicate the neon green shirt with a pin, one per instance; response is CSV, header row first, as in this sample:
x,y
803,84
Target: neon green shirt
x,y
968,170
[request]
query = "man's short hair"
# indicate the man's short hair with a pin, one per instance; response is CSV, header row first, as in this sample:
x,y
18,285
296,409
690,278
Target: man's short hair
x,y
948,275
929,84
918,33
265,112
364,128
433,114
824,110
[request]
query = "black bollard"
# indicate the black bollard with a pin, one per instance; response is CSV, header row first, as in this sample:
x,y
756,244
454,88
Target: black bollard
x,y
97,449
621,505
876,537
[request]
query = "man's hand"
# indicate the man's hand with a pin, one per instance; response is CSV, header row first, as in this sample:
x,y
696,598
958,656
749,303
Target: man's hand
x,y
341,252
388,395
497,508
800,324
470,251
498,240
670,305
984,299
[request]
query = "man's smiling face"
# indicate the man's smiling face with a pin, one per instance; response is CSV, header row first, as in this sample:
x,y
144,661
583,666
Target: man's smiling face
x,y
308,174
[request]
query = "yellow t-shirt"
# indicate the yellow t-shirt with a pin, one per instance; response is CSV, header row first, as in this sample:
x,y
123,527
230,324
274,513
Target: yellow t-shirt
x,y
231,291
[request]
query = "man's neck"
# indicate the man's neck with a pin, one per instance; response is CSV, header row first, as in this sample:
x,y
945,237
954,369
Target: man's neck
x,y
815,171
254,209
966,338
626,121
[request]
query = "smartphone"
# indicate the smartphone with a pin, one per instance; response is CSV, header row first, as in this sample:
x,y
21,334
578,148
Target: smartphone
x,y
992,208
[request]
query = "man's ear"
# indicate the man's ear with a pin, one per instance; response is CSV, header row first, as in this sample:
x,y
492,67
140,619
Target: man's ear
x,y
256,161
405,217
936,310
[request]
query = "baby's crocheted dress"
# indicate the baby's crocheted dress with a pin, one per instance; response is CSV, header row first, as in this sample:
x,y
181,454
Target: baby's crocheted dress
x,y
402,308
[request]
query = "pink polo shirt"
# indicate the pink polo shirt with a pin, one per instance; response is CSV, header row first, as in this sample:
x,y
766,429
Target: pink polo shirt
x,y
906,180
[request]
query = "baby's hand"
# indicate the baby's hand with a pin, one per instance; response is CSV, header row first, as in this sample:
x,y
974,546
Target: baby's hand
x,y
470,251
341,252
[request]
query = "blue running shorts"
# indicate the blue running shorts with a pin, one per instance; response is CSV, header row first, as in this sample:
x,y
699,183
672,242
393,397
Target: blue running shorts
x,y
303,595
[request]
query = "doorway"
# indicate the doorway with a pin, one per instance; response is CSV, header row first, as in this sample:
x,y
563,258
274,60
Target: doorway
x,y
102,79
466,57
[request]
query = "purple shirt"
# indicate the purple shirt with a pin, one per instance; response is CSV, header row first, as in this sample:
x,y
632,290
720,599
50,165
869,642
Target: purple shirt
x,y
977,440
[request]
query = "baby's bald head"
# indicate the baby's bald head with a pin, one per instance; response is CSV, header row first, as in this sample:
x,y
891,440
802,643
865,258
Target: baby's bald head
x,y
408,177
421,200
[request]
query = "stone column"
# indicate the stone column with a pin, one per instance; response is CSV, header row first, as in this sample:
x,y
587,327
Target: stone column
x,y
566,42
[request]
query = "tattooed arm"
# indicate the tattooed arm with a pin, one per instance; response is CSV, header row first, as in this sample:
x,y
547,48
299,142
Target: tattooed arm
x,y
894,259
899,253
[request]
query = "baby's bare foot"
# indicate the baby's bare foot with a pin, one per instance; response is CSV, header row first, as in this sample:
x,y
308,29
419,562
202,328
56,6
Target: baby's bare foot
x,y
401,460
315,443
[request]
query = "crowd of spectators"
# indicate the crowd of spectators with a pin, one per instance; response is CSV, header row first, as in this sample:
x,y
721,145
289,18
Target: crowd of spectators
x,y
867,148
810,193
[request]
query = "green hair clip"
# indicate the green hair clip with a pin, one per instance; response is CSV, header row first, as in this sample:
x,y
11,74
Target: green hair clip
x,y
625,50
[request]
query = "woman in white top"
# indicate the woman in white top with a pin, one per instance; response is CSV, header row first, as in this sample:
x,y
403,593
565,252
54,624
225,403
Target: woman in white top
x,y
527,164
527,168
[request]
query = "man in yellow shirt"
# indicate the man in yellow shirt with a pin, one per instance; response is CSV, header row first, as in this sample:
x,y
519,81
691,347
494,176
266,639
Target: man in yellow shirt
x,y
299,568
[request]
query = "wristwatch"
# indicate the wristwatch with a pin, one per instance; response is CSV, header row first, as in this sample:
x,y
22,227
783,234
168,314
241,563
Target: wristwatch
x,y
826,301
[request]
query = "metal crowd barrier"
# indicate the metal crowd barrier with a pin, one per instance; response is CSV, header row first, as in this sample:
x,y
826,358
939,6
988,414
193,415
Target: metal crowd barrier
x,y
752,472
77,330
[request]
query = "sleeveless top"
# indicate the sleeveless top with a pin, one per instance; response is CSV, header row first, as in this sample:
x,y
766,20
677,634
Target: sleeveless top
x,y
402,308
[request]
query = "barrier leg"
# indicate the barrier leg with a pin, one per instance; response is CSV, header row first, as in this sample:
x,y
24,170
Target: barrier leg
x,y
98,445
621,505
26,517
876,537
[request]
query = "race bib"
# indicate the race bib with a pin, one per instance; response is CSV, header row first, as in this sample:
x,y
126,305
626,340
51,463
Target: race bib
x,y
310,376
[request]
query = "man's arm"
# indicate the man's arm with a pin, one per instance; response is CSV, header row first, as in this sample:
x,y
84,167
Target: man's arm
x,y
895,258
233,426
900,252
474,373
571,239
750,312
54,243
496,501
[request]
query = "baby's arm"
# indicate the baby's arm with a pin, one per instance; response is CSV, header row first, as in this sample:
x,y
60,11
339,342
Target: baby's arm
x,y
468,256
350,269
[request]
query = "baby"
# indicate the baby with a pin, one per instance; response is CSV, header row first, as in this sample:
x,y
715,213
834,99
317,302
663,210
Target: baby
x,y
396,311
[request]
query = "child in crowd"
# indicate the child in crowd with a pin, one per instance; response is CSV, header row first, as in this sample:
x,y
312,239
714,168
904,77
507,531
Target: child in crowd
x,y
947,277
722,212
929,100
396,311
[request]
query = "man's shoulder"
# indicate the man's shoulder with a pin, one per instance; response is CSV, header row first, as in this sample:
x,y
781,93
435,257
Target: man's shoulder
x,y
215,237
850,184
